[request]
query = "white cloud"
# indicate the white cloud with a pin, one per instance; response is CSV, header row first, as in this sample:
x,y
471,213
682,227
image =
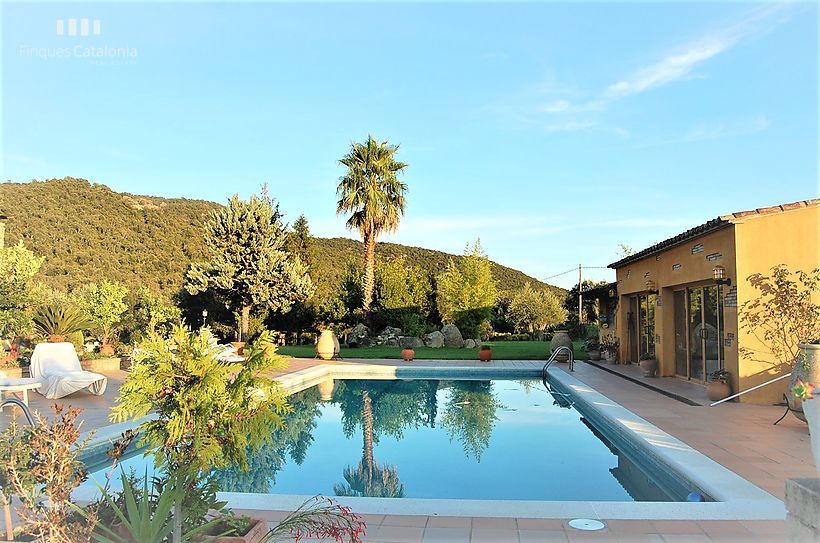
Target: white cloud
x,y
671,68
570,126
564,106
679,64
717,130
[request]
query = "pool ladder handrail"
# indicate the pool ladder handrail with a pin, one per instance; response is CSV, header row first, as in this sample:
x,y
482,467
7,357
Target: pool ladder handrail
x,y
555,354
19,403
565,400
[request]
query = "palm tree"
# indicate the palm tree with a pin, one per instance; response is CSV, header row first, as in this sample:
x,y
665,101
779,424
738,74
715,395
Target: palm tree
x,y
369,478
371,192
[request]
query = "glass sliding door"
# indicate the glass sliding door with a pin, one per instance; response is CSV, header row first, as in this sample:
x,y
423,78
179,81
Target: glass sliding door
x,y
698,332
681,343
695,335
646,320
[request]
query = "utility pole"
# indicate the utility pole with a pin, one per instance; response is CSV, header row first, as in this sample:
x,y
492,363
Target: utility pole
x,y
580,298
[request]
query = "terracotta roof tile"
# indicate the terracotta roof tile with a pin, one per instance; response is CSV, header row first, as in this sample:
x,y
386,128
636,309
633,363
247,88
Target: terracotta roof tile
x,y
711,226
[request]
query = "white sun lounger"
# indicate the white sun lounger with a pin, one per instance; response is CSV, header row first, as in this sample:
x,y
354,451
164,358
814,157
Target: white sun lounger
x,y
57,367
10,385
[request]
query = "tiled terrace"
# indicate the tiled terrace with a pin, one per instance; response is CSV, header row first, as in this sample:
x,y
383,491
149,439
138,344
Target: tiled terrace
x,y
739,436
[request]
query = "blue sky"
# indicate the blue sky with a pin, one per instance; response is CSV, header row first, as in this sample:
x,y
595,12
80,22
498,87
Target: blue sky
x,y
553,131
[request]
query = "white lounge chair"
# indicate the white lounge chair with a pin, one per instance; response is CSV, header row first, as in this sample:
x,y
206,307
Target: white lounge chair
x,y
56,365
10,385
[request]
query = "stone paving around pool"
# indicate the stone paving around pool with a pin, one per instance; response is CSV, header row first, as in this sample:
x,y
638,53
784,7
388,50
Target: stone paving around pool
x,y
741,437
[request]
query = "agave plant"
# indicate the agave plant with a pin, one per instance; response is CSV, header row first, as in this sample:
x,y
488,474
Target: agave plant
x,y
59,320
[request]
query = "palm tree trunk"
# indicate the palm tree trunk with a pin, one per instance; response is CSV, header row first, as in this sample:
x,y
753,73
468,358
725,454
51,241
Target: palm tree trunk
x,y
369,272
246,316
367,433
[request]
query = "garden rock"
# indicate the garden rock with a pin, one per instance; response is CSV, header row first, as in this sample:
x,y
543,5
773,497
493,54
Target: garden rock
x,y
469,344
390,331
359,336
410,342
452,336
434,340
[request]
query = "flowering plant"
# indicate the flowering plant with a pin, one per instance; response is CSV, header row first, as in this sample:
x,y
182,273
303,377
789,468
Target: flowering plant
x,y
803,391
321,518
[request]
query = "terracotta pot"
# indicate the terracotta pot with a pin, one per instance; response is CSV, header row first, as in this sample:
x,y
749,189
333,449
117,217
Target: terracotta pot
x,y
485,354
807,369
239,346
107,349
55,338
561,339
594,355
408,354
326,347
258,530
649,367
717,390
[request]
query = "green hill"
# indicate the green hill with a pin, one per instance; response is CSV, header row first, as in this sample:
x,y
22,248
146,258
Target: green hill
x,y
88,232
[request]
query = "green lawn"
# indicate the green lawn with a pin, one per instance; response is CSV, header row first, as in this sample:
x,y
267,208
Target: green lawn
x,y
502,350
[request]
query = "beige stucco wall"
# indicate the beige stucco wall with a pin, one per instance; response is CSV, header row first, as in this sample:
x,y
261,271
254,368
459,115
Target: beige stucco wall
x,y
750,245
790,238
695,269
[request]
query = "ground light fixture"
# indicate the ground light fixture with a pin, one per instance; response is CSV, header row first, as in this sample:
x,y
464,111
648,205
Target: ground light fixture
x,y
719,274
586,524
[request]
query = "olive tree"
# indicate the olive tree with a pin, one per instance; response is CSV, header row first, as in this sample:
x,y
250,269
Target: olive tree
x,y
248,262
536,310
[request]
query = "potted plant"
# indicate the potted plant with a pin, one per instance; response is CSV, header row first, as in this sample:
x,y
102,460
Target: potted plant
x,y
408,354
485,353
56,322
811,408
649,364
609,348
785,317
718,387
593,349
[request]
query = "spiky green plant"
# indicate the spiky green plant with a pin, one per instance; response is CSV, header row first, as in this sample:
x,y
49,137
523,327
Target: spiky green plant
x,y
373,195
59,320
210,413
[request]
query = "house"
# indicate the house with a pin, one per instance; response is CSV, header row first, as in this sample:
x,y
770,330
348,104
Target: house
x,y
679,298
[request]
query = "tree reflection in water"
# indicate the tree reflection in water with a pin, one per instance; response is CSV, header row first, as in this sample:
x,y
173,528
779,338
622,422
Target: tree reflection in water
x,y
469,415
379,408
292,439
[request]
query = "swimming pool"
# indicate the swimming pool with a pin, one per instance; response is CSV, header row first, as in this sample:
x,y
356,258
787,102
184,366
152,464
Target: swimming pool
x,y
441,439
639,452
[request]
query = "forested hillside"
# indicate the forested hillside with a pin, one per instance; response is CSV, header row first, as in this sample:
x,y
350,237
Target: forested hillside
x,y
88,232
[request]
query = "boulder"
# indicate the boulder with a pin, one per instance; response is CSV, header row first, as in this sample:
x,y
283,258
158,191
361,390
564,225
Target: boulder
x,y
434,340
390,331
452,336
469,344
393,342
359,336
410,342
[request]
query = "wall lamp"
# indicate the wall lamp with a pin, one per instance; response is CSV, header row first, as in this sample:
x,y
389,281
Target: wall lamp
x,y
719,274
651,287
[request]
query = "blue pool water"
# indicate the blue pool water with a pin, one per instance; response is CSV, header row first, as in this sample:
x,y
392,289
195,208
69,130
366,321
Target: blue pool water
x,y
499,440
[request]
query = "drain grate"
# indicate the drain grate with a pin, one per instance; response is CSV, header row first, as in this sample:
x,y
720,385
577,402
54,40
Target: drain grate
x,y
588,525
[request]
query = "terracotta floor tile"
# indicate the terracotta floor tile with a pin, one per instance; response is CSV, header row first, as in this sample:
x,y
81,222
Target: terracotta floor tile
x,y
540,524
419,521
542,536
449,522
676,527
494,523
446,535
491,535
